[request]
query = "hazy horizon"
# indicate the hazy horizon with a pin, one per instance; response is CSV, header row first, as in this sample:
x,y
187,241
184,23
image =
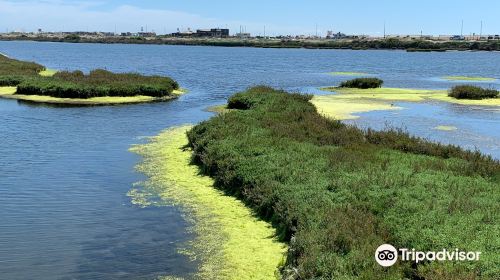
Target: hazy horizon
x,y
279,17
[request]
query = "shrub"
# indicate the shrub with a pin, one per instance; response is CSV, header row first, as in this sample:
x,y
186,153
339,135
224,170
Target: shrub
x,y
472,92
336,192
97,83
11,80
363,83
9,66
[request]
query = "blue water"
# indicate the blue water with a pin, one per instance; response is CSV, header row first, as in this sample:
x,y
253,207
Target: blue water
x,y
65,172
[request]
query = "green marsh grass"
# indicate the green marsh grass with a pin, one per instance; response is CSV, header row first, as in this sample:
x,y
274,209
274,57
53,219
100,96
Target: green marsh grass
x,y
14,67
98,83
362,83
336,193
472,92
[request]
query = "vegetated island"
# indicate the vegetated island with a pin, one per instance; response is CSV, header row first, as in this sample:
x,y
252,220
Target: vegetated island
x,y
367,94
32,82
411,45
334,192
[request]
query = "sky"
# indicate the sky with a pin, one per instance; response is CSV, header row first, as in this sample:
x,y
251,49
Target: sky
x,y
277,17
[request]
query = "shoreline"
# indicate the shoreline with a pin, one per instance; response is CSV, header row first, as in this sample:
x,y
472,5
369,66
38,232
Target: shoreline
x,y
342,44
9,93
337,192
345,103
230,241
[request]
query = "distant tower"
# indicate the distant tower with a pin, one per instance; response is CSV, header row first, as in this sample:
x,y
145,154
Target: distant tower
x,y
142,29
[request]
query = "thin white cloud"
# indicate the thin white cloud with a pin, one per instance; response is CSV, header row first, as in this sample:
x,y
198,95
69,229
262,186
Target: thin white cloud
x,y
56,15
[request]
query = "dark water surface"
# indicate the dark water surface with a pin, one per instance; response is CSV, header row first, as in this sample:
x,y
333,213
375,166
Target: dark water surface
x,y
65,172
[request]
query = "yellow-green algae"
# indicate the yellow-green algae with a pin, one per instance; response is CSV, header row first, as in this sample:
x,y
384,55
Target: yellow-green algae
x,y
219,109
406,94
348,73
48,73
9,93
445,127
336,107
468,78
230,242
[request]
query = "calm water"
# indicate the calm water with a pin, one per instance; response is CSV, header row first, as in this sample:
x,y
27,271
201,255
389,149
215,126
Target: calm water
x,y
65,172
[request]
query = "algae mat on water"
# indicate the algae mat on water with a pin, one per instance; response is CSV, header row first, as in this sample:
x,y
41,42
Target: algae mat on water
x,y
349,101
348,74
10,93
468,78
230,242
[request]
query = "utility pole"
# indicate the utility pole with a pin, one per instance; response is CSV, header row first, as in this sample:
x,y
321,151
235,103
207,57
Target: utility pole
x,y
481,31
264,32
384,29
316,30
462,29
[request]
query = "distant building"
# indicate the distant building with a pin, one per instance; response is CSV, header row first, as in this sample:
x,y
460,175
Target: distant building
x,y
146,34
457,38
214,33
243,35
338,35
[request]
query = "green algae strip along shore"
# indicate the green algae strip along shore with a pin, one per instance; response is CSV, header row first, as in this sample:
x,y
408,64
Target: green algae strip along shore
x,y
348,74
469,78
346,102
48,72
230,242
344,109
10,93
405,94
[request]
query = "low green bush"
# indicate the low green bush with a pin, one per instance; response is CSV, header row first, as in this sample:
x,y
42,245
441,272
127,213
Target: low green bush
x,y
336,192
97,83
363,83
11,80
9,66
472,92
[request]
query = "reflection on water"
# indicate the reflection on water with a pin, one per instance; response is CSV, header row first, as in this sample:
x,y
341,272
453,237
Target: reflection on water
x,y
65,172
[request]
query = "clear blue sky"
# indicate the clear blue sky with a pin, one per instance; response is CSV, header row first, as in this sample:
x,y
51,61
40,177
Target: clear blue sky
x,y
279,16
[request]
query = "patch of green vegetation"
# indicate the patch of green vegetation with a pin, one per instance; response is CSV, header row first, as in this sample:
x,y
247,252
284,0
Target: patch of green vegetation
x,y
10,93
99,83
377,96
219,109
468,78
362,83
336,192
472,92
14,67
348,74
230,242
35,83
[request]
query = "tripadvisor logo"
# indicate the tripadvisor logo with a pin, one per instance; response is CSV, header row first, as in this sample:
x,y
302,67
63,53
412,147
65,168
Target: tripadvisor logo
x,y
386,255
